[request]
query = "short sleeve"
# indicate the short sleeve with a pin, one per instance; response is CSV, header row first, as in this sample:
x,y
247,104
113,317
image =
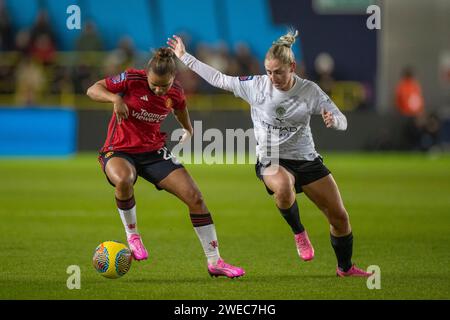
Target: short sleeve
x,y
180,103
178,98
117,83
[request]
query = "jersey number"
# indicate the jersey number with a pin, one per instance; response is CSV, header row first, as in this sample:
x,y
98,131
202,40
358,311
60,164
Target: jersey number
x,y
167,155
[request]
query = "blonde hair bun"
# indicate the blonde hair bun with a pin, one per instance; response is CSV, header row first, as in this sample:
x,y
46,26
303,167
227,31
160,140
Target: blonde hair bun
x,y
288,39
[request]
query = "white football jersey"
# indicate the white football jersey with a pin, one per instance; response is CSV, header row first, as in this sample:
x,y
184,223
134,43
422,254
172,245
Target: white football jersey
x,y
280,118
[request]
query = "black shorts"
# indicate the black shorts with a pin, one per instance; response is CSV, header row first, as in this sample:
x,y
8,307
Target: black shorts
x,y
152,166
303,171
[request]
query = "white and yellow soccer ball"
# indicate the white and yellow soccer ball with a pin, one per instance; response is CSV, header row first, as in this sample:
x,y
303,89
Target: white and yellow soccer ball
x,y
112,259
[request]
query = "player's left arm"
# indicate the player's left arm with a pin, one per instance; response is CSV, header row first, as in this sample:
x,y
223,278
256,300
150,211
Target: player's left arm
x,y
331,115
182,116
333,119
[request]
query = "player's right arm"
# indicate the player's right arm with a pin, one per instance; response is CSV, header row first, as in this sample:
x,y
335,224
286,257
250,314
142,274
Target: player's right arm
x,y
100,93
211,75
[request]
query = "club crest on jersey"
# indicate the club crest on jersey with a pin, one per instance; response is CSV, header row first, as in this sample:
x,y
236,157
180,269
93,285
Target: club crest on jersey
x,y
246,78
169,103
119,78
280,112
109,154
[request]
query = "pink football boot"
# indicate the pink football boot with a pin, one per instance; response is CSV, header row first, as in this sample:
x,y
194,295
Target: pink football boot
x,y
137,247
224,269
304,247
353,272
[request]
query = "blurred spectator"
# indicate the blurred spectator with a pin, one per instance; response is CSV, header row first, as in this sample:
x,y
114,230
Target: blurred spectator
x,y
246,62
423,132
113,64
220,57
30,81
42,27
6,32
22,41
408,94
42,44
324,66
89,39
43,49
121,58
87,69
203,51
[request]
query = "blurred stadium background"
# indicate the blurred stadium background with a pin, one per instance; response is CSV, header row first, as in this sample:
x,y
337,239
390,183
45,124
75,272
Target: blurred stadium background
x,y
45,69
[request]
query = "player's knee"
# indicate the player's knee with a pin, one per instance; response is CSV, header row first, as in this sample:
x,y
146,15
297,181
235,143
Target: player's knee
x,y
339,218
194,199
284,195
124,184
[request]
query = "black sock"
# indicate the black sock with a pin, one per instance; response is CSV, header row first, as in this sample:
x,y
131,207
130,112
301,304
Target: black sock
x,y
292,217
343,248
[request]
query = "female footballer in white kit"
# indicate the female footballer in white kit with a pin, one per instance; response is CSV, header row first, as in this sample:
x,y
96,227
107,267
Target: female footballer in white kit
x,y
281,107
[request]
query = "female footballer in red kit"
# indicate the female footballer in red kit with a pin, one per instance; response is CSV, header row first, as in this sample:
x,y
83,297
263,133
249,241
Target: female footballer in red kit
x,y
135,146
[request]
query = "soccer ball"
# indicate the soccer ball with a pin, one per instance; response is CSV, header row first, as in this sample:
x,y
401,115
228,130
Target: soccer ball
x,y
112,259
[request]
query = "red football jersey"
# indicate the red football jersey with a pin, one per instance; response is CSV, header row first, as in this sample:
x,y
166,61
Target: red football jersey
x,y
141,131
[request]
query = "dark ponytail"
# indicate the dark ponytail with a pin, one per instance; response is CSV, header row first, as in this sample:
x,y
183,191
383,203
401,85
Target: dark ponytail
x,y
162,62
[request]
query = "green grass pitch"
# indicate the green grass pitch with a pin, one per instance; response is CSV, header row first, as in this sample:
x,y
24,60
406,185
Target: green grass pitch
x,y
54,213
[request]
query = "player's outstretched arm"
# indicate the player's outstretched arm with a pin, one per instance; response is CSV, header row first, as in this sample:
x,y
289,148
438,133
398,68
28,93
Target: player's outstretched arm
x,y
211,75
184,120
98,92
